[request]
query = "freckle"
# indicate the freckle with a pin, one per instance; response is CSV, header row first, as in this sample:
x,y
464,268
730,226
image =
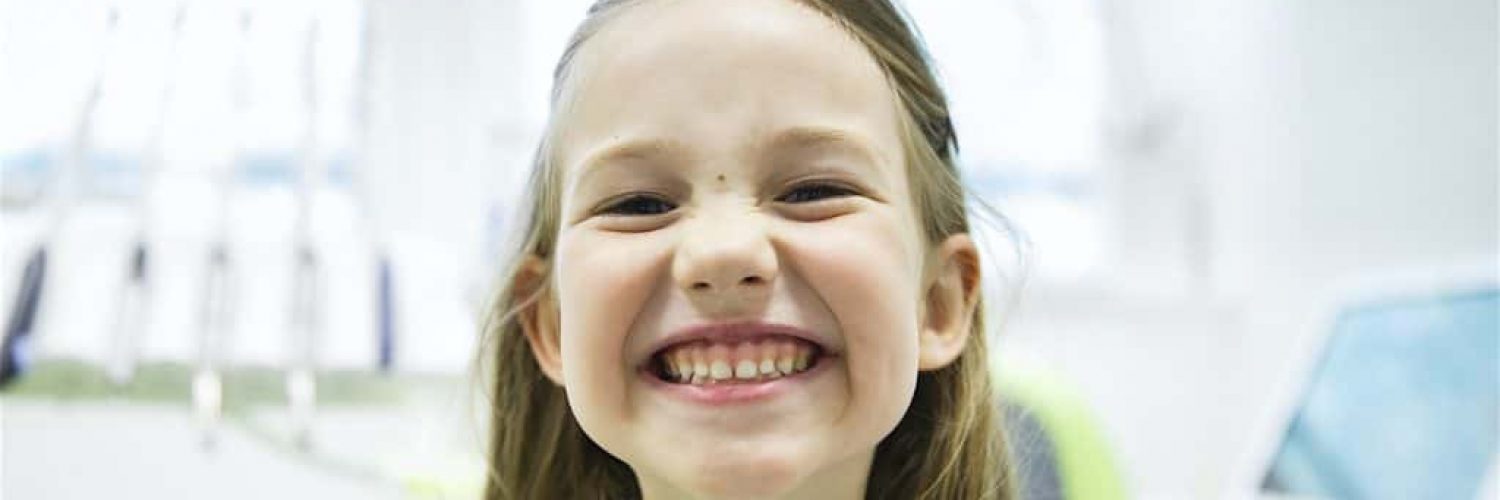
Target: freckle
x,y
721,177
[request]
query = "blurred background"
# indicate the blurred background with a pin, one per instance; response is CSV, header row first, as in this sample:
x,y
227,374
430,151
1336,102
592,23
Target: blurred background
x,y
244,245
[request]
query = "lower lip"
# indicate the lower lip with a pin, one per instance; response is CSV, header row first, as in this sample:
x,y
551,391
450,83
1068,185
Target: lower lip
x,y
736,393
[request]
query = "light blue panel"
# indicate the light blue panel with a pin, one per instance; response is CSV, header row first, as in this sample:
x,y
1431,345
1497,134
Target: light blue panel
x,y
1403,404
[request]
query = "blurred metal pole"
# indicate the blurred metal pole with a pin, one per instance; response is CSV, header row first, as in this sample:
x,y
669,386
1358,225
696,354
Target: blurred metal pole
x,y
301,378
208,384
385,278
131,318
218,301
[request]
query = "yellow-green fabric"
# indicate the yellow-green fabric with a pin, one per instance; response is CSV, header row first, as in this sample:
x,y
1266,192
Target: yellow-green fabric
x,y
1085,460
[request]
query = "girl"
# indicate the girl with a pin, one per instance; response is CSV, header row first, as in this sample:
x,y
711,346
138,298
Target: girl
x,y
746,271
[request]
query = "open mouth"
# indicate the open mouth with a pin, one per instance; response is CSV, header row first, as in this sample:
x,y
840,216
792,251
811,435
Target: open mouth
x,y
750,361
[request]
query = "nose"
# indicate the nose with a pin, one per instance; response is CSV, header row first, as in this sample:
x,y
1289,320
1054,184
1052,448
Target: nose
x,y
726,265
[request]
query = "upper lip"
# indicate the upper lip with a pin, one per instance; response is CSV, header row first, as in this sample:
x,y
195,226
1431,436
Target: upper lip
x,y
730,332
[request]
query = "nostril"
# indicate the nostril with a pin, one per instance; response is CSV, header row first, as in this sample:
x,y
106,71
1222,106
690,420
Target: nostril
x,y
704,286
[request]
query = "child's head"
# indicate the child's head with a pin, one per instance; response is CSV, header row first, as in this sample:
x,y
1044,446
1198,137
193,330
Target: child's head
x,y
747,270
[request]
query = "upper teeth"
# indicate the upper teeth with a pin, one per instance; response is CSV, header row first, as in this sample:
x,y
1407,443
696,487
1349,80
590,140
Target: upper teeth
x,y
704,363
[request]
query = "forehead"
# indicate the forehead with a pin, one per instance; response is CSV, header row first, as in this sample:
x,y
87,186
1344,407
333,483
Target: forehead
x,y
721,76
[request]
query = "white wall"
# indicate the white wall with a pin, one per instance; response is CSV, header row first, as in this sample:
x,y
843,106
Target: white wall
x,y
1395,129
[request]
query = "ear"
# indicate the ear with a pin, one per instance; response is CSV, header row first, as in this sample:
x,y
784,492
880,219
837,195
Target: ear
x,y
538,316
951,296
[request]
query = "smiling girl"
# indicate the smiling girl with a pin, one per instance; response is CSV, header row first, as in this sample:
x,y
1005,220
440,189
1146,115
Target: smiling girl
x,y
746,271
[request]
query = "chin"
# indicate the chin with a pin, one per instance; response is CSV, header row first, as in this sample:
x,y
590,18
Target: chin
x,y
747,475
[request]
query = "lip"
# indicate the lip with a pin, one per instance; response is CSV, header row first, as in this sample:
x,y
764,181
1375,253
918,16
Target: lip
x,y
736,332
738,393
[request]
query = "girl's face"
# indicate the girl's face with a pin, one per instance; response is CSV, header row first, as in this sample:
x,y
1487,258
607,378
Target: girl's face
x,y
738,278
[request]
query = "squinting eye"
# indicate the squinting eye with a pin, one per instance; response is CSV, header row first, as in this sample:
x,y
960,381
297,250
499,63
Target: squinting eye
x,y
638,205
813,192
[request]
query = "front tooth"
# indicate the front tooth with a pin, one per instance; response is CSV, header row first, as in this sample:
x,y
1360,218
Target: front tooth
x,y
718,367
768,368
719,370
745,370
768,360
801,362
700,368
744,366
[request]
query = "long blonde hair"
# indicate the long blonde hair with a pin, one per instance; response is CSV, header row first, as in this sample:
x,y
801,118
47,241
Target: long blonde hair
x,y
949,445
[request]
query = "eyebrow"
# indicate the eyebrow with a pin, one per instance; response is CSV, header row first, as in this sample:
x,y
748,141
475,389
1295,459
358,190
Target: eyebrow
x,y
629,150
812,137
635,150
827,138
792,138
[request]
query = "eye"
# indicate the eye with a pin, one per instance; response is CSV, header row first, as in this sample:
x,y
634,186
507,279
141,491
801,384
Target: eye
x,y
638,205
811,192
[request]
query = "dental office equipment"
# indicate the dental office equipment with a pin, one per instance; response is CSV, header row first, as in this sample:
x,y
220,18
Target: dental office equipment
x,y
15,350
131,316
218,311
17,346
364,193
301,378
1392,393
217,314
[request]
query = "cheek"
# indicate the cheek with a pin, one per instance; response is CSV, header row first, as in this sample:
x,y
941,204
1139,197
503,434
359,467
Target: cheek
x,y
865,267
602,282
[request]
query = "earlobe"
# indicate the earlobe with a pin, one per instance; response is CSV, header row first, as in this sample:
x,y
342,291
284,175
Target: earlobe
x,y
537,314
950,299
